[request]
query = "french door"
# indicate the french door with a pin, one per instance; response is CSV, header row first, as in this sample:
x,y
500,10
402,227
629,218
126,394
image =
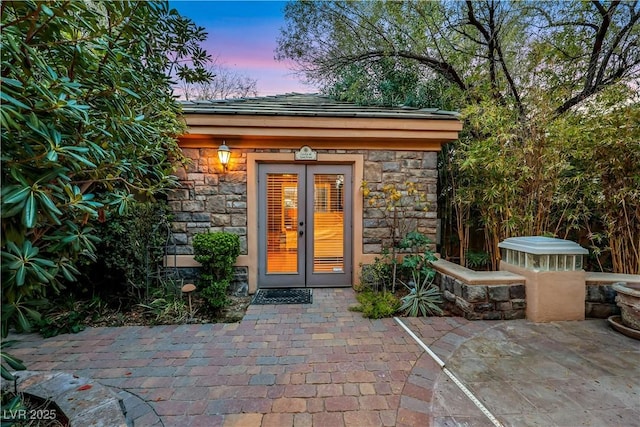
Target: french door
x,y
304,225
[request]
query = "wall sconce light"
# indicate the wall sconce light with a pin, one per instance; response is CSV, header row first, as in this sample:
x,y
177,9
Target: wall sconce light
x,y
224,154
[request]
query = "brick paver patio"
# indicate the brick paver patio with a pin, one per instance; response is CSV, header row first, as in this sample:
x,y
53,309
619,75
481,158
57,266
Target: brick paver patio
x,y
315,365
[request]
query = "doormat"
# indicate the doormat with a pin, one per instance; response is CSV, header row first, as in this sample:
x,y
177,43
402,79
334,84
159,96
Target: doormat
x,y
282,296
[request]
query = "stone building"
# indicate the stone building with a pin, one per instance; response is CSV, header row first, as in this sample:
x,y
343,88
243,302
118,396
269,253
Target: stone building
x,y
292,188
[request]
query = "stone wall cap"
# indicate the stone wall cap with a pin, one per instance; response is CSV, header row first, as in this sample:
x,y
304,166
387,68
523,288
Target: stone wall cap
x,y
539,245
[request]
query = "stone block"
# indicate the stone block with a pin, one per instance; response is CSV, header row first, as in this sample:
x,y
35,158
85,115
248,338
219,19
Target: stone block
x,y
474,293
412,164
238,220
513,314
472,315
241,205
370,248
504,306
212,180
393,178
201,216
492,315
449,296
206,190
449,284
178,194
372,172
518,304
182,217
390,167
178,227
216,204
381,156
408,155
483,307
180,238
594,294
240,231
457,287
181,173
192,153
498,293
195,176
517,291
430,160
609,295
464,305
220,220
193,206
601,310
373,223
232,188
184,250
376,233
235,177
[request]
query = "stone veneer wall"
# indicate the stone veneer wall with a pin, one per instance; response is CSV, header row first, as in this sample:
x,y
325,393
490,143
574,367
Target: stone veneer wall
x,y
482,302
600,300
211,201
398,167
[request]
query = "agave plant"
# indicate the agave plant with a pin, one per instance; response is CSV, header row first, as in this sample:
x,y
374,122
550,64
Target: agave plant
x,y
423,298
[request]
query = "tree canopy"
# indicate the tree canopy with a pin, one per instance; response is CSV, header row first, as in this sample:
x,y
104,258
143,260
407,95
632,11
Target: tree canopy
x,y
502,49
89,123
548,92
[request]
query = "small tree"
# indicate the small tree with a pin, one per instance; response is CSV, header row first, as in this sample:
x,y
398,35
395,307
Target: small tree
x,y
217,252
396,202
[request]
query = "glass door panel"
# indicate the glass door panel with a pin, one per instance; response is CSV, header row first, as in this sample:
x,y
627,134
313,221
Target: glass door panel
x,y
328,223
329,211
282,221
281,213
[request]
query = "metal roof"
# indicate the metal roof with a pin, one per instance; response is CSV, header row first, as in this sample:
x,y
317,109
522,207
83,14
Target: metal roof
x,y
309,105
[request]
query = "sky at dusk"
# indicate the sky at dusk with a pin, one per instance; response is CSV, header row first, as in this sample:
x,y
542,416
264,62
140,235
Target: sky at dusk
x,y
242,36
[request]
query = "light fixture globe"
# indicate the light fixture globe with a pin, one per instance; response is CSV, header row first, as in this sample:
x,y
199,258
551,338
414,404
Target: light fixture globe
x,y
224,154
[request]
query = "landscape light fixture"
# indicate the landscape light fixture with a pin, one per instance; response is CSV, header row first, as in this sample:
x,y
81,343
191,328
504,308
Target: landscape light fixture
x,y
224,154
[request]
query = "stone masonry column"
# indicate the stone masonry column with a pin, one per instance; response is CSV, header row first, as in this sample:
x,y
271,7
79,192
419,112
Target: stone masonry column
x,y
555,281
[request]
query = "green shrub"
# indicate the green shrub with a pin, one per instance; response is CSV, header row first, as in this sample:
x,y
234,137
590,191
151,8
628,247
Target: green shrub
x,y
477,260
376,305
376,276
217,252
132,250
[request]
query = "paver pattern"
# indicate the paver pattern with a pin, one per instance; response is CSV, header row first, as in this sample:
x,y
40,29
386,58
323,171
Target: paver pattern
x,y
323,365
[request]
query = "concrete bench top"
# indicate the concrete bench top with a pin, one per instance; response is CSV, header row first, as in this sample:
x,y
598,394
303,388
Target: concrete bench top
x,y
472,277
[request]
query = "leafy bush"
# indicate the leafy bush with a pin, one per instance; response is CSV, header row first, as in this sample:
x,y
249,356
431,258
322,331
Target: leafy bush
x,y
11,361
476,260
423,298
376,276
420,257
89,123
217,252
131,250
376,305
